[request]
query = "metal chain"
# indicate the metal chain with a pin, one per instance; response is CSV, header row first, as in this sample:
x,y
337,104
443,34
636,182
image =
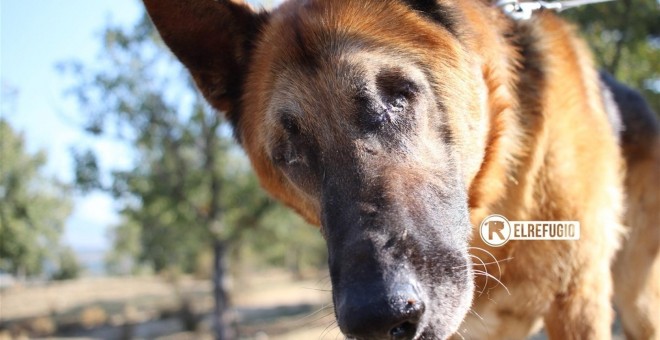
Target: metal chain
x,y
523,10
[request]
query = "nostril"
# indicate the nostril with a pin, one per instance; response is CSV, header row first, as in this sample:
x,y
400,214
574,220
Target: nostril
x,y
395,315
405,330
411,309
410,313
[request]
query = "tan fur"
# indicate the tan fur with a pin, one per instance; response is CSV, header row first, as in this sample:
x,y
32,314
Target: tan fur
x,y
532,129
553,179
637,267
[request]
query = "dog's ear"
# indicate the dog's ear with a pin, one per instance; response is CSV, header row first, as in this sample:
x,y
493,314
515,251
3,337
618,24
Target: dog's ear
x,y
213,40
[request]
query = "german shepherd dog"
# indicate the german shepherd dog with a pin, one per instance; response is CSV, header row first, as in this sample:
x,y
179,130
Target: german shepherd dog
x,y
397,126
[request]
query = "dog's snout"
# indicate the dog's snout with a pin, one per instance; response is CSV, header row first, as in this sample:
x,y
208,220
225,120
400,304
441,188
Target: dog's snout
x,y
410,312
394,315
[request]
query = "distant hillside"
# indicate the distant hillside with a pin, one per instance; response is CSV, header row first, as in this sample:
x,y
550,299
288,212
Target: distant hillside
x,y
91,261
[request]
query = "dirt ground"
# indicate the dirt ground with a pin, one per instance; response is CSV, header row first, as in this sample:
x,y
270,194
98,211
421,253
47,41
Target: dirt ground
x,y
267,306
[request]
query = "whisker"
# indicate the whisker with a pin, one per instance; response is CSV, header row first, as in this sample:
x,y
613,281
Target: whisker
x,y
323,280
481,320
330,315
318,289
472,311
483,289
328,329
497,262
461,335
324,307
486,263
481,272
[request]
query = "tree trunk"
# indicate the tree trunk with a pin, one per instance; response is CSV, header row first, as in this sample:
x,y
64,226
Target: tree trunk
x,y
222,320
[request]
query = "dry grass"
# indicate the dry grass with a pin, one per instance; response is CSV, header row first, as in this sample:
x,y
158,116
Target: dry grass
x,y
58,297
98,301
139,298
275,288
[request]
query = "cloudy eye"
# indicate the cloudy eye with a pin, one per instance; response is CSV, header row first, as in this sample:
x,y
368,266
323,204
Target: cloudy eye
x,y
396,88
286,154
388,105
397,94
396,103
291,156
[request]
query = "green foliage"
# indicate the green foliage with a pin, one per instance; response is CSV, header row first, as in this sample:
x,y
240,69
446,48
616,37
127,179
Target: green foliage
x,y
126,249
86,170
68,265
287,241
625,38
33,208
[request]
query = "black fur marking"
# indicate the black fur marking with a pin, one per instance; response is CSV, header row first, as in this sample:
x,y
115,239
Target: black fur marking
x,y
532,75
437,12
640,123
305,55
445,130
235,85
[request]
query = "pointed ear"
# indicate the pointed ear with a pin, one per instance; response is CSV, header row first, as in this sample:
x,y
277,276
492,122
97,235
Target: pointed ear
x,y
213,40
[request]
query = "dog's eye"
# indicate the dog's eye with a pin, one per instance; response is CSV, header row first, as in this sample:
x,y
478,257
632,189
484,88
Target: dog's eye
x,y
395,86
286,155
387,106
290,125
396,104
390,108
295,161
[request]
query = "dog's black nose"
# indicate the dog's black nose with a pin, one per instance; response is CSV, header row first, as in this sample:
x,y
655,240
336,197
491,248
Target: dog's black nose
x,y
394,315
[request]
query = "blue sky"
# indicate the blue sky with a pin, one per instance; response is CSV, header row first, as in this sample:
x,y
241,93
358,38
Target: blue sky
x,y
35,36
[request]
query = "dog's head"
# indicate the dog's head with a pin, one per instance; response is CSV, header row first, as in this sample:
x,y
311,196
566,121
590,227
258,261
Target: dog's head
x,y
368,118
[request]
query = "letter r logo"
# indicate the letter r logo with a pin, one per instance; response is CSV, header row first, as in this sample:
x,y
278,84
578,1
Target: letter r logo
x,y
495,227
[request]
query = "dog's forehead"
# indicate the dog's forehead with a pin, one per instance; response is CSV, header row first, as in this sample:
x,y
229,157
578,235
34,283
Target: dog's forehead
x,y
313,57
307,29
305,33
340,77
318,48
